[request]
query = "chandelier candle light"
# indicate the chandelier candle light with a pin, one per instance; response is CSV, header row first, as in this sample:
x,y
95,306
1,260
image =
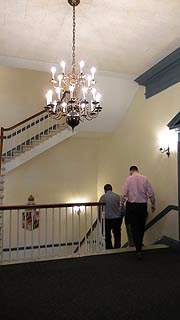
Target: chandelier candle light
x,y
73,95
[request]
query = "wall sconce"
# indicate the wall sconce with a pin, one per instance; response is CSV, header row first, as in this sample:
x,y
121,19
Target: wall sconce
x,y
79,209
167,140
167,151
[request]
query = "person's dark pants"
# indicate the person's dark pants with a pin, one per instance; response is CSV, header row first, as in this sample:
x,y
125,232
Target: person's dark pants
x,y
113,225
129,235
137,213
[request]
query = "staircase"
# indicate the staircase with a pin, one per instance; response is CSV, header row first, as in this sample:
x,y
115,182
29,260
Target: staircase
x,y
27,139
164,241
24,141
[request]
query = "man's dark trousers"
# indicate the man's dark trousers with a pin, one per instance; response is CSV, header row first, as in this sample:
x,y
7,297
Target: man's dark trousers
x,y
113,225
137,213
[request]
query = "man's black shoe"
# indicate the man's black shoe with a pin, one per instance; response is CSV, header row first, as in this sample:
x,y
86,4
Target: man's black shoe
x,y
139,256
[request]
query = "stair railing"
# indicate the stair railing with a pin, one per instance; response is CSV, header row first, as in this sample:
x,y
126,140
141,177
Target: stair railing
x,y
89,237
25,134
157,218
48,231
160,215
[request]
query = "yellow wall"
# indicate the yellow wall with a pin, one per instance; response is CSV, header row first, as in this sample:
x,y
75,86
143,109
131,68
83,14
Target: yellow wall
x,y
78,168
22,93
135,142
64,173
67,172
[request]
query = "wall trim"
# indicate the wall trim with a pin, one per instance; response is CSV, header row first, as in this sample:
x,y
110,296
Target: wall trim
x,y
174,123
162,75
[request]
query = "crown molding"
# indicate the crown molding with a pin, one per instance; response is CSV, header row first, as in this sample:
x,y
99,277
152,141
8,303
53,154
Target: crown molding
x,y
162,75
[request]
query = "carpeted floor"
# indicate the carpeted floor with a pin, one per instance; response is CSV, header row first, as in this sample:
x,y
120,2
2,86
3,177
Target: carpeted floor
x,y
104,287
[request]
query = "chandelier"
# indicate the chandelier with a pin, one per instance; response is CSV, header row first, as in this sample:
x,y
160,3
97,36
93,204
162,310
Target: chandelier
x,y
73,95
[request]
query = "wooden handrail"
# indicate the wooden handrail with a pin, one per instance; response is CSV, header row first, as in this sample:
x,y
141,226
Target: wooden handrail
x,y
13,127
19,124
31,117
51,205
24,121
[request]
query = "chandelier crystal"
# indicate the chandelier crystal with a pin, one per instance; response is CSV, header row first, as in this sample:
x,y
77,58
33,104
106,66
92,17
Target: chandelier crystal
x,y
73,95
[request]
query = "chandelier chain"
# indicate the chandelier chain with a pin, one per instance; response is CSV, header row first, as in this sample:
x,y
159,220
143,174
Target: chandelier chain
x,y
73,95
74,38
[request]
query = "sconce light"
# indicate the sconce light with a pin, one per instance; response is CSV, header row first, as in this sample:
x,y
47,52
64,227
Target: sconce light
x,y
79,209
167,151
167,140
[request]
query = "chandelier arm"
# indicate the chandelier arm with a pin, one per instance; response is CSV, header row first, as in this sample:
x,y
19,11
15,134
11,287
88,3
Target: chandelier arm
x,y
57,116
89,118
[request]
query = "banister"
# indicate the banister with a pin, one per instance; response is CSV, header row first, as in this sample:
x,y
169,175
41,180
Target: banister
x,y
148,225
87,234
50,205
31,117
158,217
63,239
13,127
24,121
19,124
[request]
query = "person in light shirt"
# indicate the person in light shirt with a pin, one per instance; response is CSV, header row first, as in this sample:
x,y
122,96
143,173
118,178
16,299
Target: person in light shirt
x,y
137,190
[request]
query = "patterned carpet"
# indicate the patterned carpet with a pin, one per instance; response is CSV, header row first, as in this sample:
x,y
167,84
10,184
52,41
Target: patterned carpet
x,y
115,286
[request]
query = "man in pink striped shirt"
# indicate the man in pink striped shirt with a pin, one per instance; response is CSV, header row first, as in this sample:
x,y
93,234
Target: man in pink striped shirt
x,y
137,190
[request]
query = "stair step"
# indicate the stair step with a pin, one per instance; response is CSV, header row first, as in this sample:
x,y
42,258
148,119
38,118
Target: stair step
x,y
26,147
52,133
44,137
17,153
35,142
6,159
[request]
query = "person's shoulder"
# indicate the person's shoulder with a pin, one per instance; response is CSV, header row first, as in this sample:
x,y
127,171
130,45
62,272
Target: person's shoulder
x,y
102,198
144,178
128,178
141,175
116,194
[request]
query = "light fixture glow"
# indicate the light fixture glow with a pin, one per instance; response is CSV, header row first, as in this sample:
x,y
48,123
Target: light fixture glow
x,y
168,137
79,209
75,89
167,141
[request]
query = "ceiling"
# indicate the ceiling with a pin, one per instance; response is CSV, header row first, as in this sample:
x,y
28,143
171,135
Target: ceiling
x,y
122,36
